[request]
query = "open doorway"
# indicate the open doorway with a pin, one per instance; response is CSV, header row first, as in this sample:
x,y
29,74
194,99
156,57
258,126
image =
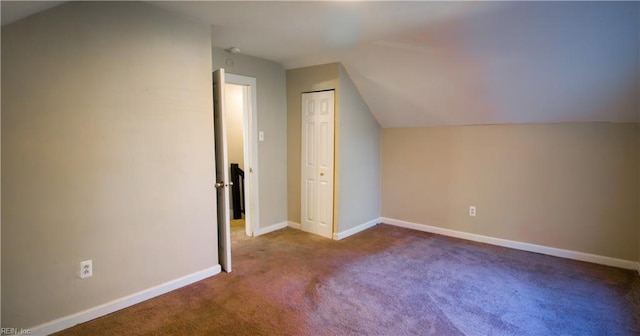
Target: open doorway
x,y
240,107
224,183
247,193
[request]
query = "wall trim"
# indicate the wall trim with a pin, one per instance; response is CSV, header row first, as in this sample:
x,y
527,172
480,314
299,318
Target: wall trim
x,y
121,303
356,229
552,251
270,228
294,225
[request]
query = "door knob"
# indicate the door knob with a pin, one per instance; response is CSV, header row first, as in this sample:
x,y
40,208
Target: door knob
x,y
321,174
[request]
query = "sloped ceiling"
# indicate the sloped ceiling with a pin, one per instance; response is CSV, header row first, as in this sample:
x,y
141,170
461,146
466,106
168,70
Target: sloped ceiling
x,y
15,10
452,63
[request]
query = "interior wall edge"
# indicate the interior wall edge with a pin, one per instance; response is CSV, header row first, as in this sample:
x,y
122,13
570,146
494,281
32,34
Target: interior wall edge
x,y
271,228
294,225
551,251
357,229
511,124
121,303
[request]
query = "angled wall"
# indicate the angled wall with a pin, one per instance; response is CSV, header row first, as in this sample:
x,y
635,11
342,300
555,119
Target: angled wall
x,y
107,154
358,163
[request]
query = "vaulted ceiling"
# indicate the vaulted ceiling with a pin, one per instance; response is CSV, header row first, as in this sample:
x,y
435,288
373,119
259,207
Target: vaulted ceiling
x,y
451,63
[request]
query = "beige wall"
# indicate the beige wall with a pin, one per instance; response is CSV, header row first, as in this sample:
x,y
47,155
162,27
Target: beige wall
x,y
358,163
234,114
570,186
315,78
0,199
234,101
272,119
107,154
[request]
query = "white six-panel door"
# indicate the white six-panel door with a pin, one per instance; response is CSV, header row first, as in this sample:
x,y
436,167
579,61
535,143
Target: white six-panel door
x,y
317,162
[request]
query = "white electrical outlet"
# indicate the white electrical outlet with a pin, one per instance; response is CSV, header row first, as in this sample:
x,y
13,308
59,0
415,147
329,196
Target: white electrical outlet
x,y
261,136
472,211
86,269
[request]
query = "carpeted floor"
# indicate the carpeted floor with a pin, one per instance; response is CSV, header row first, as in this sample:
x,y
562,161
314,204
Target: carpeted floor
x,y
387,281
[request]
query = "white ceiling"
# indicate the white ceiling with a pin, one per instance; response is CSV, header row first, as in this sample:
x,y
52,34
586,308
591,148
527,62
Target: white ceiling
x,y
450,63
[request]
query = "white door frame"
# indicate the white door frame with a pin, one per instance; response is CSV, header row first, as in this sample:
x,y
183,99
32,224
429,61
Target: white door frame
x,y
250,125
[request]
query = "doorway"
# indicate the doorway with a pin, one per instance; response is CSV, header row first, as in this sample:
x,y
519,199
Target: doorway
x,y
245,106
235,105
317,162
235,119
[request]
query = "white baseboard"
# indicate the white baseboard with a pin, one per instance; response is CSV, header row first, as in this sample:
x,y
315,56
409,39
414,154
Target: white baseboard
x,y
354,230
271,228
127,301
593,258
294,225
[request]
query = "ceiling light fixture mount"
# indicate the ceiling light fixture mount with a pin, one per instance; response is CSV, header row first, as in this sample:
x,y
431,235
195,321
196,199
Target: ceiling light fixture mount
x,y
233,50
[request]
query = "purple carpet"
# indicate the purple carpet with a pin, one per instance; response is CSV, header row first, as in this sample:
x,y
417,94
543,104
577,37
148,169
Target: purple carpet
x,y
387,281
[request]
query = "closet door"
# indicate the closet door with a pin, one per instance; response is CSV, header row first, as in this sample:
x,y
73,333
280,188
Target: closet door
x,y
317,162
